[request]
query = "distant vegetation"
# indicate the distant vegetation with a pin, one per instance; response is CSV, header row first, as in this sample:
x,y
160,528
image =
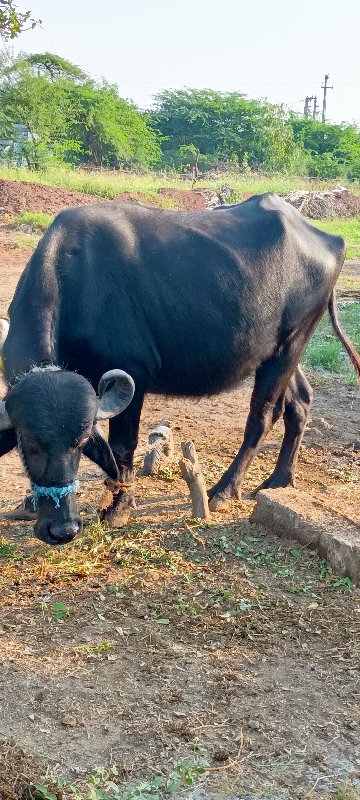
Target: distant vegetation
x,y
53,112
109,184
33,221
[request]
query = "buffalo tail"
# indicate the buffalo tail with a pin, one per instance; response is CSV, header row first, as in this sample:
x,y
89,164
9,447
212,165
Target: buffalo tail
x,y
348,345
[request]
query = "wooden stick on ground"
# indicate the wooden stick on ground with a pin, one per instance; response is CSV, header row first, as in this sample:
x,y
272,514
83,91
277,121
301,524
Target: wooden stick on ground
x,y
191,472
160,446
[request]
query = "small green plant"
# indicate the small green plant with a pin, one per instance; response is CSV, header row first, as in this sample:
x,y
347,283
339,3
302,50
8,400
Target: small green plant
x,y
166,474
7,550
345,793
264,558
284,572
242,552
324,569
61,612
95,649
102,785
43,793
343,583
224,543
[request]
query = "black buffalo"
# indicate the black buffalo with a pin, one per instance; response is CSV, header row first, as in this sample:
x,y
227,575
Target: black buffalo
x,y
184,303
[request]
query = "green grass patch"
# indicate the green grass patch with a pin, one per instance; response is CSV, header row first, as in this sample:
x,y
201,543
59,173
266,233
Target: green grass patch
x,y
109,184
36,221
353,251
349,229
326,352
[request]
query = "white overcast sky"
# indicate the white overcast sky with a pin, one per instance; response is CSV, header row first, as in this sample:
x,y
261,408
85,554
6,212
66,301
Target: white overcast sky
x,y
278,49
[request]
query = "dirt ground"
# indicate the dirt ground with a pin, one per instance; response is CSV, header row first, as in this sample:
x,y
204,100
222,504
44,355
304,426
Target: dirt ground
x,y
174,640
17,196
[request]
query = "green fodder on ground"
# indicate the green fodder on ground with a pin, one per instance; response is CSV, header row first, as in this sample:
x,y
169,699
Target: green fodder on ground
x,y
326,352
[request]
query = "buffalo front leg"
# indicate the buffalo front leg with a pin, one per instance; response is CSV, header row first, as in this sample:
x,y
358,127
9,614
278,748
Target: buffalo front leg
x,y
119,499
298,397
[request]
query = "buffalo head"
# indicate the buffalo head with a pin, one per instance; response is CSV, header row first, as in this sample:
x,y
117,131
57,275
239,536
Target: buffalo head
x,y
51,415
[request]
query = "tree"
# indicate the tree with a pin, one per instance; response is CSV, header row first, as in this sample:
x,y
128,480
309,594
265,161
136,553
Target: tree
x,y
14,22
39,106
333,150
70,118
226,127
52,66
109,131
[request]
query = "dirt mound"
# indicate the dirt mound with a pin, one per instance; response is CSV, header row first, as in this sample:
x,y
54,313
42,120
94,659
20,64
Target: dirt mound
x,y
186,199
139,198
17,196
19,773
334,202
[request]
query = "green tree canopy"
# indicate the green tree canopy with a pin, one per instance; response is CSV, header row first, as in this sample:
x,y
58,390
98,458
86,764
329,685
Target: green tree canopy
x,y
223,126
71,117
331,149
51,66
62,113
108,130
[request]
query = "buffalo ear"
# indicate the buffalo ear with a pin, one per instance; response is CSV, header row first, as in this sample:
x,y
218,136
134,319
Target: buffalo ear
x,y
116,391
8,441
98,451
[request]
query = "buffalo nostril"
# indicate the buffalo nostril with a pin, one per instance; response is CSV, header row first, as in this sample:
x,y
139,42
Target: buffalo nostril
x,y
64,532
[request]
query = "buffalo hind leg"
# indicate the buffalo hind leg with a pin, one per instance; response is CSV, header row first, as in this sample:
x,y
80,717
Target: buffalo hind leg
x,y
123,439
267,402
298,397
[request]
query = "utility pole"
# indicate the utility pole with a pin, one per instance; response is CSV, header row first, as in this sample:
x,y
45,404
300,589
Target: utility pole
x,y
325,87
315,107
307,107
308,100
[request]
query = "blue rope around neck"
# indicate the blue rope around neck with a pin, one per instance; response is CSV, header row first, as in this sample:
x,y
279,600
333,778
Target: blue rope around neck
x,y
55,492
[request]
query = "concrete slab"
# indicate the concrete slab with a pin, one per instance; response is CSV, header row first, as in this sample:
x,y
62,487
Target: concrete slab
x,y
292,513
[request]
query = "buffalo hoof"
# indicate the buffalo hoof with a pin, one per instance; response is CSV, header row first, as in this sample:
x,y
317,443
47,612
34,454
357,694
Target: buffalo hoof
x,y
280,481
220,502
25,511
119,511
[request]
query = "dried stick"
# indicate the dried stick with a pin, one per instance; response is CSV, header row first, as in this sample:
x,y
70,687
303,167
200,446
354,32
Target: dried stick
x,y
191,472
